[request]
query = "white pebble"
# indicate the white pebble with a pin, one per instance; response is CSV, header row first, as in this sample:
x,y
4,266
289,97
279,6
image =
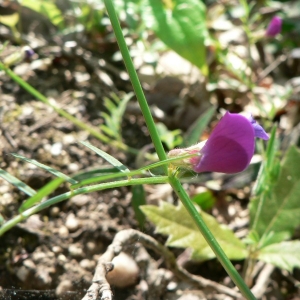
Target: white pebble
x,y
56,149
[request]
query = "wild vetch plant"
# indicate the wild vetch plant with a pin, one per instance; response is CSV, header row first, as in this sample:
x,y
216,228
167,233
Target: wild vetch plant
x,y
229,149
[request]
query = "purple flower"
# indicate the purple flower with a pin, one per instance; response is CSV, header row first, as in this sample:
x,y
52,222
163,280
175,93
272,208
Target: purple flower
x,y
229,148
28,52
274,27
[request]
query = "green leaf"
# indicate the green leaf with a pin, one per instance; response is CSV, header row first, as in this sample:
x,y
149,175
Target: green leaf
x,y
94,173
205,200
246,8
270,168
278,209
17,182
107,157
10,20
170,138
273,238
46,168
272,147
113,119
285,255
176,222
108,131
138,199
197,128
43,192
252,238
181,25
46,8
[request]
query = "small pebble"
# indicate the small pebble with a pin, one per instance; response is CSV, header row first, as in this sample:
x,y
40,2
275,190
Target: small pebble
x,y
63,232
64,287
68,139
87,264
42,276
72,223
38,256
172,286
54,212
22,273
91,246
57,249
80,200
56,149
75,250
62,258
73,167
125,272
29,264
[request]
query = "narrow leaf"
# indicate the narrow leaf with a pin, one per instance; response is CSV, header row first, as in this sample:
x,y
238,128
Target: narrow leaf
x,y
94,173
269,170
285,255
272,147
171,138
17,182
176,222
107,157
197,128
113,119
108,131
43,192
278,209
46,168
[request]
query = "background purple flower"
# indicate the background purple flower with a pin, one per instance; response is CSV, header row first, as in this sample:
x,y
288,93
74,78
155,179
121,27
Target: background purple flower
x,y
230,147
274,27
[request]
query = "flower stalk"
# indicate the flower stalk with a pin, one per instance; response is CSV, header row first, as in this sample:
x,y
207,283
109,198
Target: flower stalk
x,y
175,183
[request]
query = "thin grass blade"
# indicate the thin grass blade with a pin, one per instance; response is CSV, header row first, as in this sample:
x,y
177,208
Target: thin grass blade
x,y
43,192
17,182
107,157
94,173
46,168
197,128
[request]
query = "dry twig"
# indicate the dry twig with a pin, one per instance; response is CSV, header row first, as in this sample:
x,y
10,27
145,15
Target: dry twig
x,y
100,286
262,281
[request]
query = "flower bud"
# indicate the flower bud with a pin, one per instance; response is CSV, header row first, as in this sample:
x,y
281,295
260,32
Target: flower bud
x,y
274,27
187,162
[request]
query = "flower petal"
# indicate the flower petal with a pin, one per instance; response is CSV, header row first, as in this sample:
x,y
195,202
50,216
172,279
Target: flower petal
x,y
230,147
258,130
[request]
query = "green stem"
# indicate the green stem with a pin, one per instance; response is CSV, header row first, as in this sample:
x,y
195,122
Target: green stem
x,y
248,268
135,82
65,114
209,237
84,190
132,173
162,156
